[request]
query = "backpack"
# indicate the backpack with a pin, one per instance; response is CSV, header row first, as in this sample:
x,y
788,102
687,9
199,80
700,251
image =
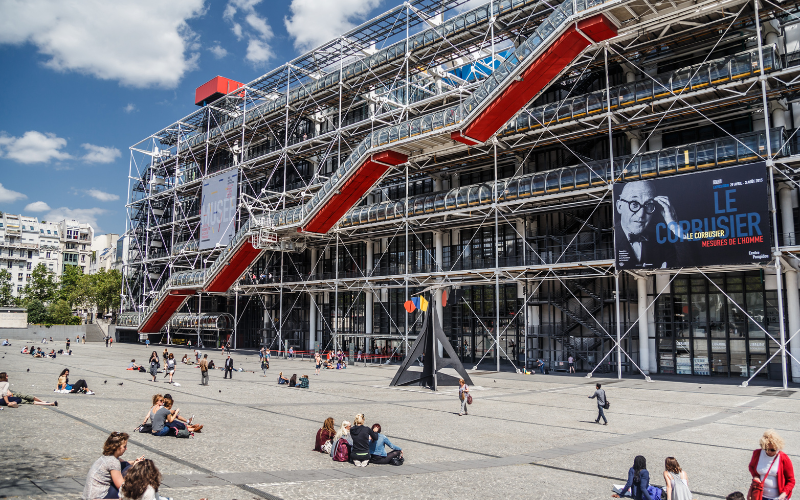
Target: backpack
x,y
655,492
181,433
146,428
342,453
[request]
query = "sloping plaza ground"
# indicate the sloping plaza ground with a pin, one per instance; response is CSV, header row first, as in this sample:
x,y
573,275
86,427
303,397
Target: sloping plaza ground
x,y
526,436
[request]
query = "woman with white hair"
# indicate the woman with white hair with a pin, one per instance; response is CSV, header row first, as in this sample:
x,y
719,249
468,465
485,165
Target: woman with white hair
x,y
343,435
772,471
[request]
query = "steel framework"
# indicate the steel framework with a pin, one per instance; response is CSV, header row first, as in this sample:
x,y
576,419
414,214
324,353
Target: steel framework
x,y
402,94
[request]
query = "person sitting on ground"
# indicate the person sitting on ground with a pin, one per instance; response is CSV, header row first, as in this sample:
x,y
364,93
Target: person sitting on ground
x,y
185,359
359,455
14,399
211,364
24,350
303,384
52,354
343,435
676,481
38,353
141,482
293,381
325,435
132,365
63,381
282,379
6,342
105,477
638,480
179,422
377,448
160,419
158,402
79,387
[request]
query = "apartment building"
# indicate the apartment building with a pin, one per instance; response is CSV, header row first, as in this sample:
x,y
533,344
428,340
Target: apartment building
x,y
25,242
104,252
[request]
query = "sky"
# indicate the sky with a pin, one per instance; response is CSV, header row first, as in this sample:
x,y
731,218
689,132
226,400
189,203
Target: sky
x,y
86,79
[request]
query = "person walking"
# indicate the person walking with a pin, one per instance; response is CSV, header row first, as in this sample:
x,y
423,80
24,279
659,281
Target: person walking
x,y
204,370
600,395
463,396
772,470
154,365
107,337
171,366
571,362
68,341
676,481
264,365
229,367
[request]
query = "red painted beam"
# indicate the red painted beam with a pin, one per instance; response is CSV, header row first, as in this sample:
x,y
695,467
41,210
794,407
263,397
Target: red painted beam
x,y
165,310
238,263
353,189
535,78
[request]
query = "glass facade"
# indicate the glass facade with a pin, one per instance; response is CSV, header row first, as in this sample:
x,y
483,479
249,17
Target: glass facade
x,y
716,326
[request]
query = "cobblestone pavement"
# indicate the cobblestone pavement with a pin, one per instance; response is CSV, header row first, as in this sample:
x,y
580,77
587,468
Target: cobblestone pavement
x,y
531,436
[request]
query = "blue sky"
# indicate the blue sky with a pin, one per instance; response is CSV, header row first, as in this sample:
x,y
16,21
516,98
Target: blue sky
x,y
86,79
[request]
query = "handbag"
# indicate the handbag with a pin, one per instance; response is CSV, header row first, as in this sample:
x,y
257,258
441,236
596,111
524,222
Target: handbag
x,y
146,428
607,405
757,486
469,399
326,447
397,461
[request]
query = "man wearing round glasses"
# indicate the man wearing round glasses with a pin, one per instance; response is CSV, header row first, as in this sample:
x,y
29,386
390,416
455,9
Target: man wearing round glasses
x,y
638,212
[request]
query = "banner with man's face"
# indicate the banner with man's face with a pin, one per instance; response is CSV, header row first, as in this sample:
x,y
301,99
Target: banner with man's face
x,y
218,209
718,217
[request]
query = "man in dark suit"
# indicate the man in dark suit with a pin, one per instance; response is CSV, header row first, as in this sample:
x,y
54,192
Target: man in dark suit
x,y
229,367
635,230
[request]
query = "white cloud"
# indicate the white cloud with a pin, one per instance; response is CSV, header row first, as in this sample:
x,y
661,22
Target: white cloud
x,y
252,27
100,154
102,196
88,215
9,196
140,43
313,23
37,206
218,51
130,108
33,147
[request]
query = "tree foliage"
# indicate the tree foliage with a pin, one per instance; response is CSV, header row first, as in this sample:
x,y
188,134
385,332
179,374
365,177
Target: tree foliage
x,y
42,286
6,289
60,313
37,312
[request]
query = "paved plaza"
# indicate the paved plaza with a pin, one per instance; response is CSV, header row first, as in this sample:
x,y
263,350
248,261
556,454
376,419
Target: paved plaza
x,y
525,437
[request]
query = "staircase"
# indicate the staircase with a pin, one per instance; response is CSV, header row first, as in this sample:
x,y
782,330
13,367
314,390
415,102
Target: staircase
x,y
94,333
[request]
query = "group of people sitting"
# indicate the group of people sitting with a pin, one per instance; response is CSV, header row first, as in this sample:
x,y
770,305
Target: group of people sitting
x,y
112,477
292,382
13,399
64,387
37,352
164,420
357,443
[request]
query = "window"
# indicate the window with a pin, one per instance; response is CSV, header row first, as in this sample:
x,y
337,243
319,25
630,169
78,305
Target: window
x,y
10,252
27,277
48,255
51,266
31,228
41,231
19,277
83,258
9,264
83,269
29,266
19,289
30,254
69,233
48,231
84,247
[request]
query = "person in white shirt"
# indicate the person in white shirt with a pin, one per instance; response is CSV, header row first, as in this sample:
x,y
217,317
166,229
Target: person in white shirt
x,y
14,399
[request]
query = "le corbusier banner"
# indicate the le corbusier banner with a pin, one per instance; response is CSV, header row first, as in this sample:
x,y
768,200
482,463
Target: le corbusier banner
x,y
218,209
718,217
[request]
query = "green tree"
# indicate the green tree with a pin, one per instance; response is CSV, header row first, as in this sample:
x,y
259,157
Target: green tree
x,y
37,312
60,313
107,286
6,289
42,286
71,288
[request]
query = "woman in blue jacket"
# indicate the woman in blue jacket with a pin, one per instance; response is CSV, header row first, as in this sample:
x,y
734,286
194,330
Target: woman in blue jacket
x,y
638,480
377,448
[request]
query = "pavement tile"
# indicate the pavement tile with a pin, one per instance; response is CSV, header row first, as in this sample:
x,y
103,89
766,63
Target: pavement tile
x,y
60,485
19,487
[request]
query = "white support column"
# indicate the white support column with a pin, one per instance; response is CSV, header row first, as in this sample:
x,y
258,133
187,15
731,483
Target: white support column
x,y
439,249
787,217
312,308
644,338
368,294
793,309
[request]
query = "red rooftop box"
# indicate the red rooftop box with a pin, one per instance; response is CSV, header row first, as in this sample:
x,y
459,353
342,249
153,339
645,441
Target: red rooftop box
x,y
214,89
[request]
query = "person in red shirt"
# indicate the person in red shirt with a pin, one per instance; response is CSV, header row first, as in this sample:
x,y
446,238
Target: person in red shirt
x,y
772,468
